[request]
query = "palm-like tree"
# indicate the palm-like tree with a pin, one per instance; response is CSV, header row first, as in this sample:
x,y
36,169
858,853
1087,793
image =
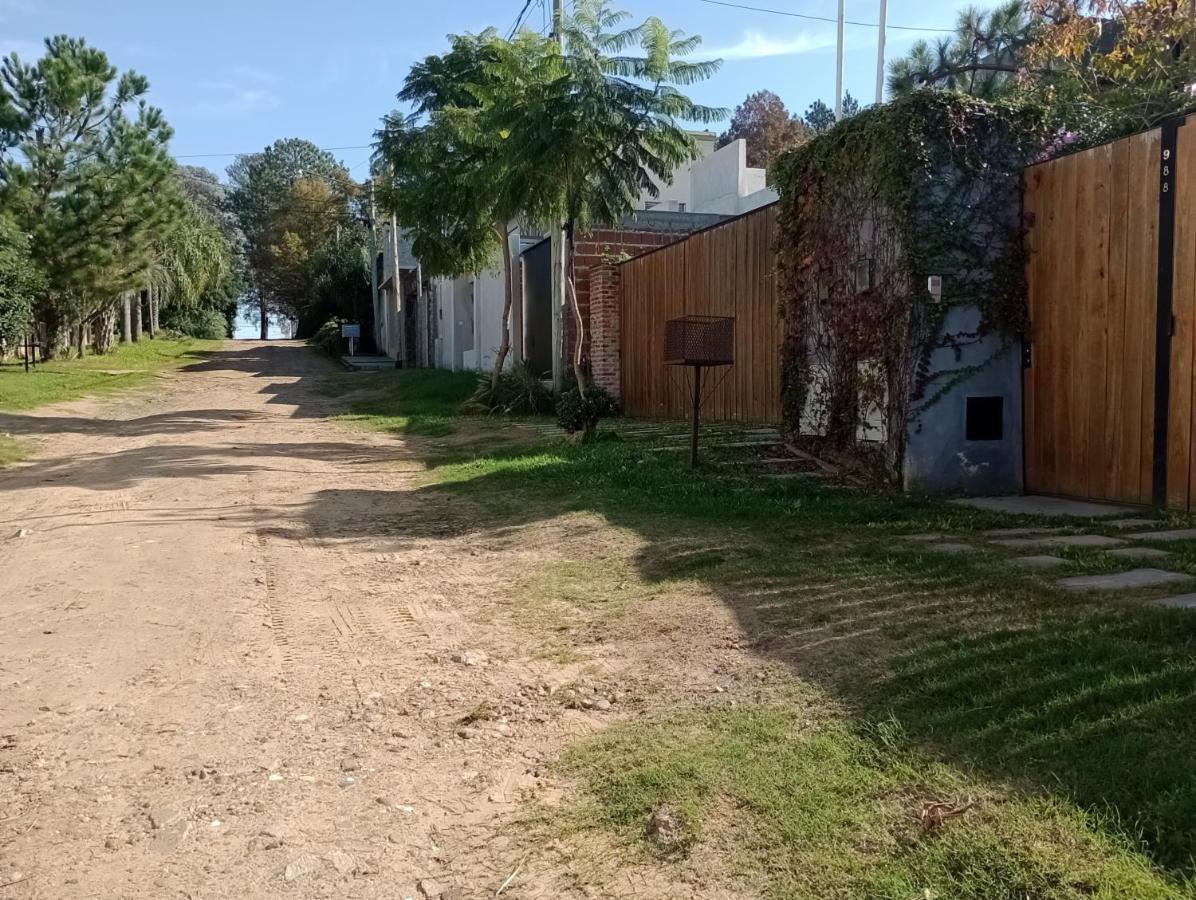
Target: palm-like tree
x,y
603,123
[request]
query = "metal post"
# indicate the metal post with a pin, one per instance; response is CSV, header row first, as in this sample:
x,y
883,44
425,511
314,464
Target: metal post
x,y
559,268
880,53
839,65
28,346
693,446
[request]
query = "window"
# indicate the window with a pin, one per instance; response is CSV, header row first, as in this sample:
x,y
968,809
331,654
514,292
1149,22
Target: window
x,y
985,418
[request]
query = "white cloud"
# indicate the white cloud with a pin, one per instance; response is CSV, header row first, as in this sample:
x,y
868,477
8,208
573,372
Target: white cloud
x,y
252,73
233,100
760,45
757,45
243,90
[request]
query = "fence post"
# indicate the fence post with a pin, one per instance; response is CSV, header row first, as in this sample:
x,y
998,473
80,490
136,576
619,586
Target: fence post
x,y
1164,319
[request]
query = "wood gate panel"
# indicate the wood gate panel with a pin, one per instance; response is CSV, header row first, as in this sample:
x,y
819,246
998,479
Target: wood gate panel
x,y
727,270
1092,269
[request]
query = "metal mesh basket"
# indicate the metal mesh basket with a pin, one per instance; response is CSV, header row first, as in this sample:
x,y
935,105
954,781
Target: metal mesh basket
x,y
699,341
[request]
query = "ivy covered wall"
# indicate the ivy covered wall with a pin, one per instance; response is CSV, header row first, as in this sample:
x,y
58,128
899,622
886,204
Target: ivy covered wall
x,y
928,185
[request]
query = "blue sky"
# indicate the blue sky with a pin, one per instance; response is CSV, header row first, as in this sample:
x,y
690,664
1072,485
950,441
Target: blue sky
x,y
234,76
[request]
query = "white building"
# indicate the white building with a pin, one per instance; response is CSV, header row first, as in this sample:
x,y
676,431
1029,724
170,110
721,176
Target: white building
x,y
455,323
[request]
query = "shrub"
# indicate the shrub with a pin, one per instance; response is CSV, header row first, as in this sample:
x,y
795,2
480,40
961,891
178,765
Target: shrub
x,y
519,392
577,412
196,322
328,339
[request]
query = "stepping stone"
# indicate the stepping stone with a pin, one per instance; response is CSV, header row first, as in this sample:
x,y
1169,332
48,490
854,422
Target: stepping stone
x,y
1135,578
950,548
1139,553
925,538
1182,534
1039,562
1046,506
1180,601
1132,523
1019,532
1064,540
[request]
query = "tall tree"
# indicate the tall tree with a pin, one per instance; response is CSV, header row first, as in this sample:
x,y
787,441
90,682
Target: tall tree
x,y
588,136
450,170
83,170
982,58
285,198
20,283
767,127
1108,67
820,117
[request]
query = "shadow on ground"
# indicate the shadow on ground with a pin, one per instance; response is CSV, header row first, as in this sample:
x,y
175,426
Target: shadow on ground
x,y
997,673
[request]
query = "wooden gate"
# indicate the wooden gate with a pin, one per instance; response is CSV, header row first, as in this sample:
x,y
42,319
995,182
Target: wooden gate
x,y
726,270
1112,297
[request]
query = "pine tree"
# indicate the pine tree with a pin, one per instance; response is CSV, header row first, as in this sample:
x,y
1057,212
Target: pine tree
x,y
86,181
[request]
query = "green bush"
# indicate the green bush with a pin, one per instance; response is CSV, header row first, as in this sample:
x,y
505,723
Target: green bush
x,y
328,339
577,412
519,392
197,322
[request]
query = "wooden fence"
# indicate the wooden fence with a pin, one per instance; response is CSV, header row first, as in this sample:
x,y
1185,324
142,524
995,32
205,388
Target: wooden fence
x,y
727,270
1112,294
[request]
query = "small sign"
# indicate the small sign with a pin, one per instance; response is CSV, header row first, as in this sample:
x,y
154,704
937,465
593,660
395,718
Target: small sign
x,y
351,331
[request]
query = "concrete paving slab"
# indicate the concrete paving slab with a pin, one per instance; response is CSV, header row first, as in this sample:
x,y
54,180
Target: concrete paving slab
x,y
1120,581
949,547
1180,601
1045,506
1131,523
1039,562
1179,534
925,537
1019,532
1139,553
1064,540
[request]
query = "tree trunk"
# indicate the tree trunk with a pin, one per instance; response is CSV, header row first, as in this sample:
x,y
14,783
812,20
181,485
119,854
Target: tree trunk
x,y
504,346
103,326
571,288
157,310
152,311
265,314
126,318
80,336
137,317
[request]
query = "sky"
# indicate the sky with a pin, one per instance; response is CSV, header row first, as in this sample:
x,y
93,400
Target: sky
x,y
234,75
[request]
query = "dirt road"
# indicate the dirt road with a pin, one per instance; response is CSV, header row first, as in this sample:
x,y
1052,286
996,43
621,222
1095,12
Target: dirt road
x,y
230,666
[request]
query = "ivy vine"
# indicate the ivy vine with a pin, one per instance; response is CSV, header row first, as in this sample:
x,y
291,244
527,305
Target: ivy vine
x,y
929,184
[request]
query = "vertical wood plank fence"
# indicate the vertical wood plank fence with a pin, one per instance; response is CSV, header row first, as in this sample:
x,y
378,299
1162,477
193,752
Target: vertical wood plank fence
x,y
1112,293
727,270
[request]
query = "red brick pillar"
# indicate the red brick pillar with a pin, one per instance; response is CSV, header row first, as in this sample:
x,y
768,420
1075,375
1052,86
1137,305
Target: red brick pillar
x,y
605,303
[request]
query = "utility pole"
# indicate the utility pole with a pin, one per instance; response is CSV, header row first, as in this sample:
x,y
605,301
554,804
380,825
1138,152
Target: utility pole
x,y
880,53
374,264
560,342
839,65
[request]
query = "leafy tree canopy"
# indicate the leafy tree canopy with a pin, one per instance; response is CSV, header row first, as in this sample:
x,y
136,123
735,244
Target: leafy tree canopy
x,y
766,126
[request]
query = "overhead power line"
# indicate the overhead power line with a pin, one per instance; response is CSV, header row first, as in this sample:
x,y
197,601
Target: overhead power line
x,y
831,19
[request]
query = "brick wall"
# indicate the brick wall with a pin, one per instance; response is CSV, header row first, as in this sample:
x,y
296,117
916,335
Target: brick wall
x,y
604,325
598,249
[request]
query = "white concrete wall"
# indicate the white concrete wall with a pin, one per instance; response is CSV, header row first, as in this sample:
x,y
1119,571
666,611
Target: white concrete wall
x,y
676,195
722,183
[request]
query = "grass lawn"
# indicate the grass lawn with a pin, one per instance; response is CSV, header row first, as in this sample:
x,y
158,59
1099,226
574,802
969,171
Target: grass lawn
x,y
910,677
402,401
68,379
